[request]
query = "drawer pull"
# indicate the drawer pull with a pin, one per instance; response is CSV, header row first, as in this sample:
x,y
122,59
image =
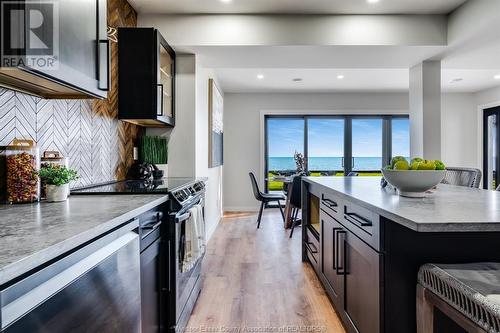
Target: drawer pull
x,y
311,247
329,203
358,220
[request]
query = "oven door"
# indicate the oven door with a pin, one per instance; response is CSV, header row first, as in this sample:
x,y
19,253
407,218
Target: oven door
x,y
184,276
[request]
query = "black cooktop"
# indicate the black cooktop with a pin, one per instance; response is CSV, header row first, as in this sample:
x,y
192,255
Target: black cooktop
x,y
165,185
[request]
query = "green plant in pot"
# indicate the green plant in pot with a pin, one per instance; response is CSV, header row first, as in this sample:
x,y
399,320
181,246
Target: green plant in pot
x,y
56,179
154,150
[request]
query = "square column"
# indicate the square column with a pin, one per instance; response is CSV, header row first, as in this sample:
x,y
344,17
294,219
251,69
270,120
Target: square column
x,y
425,110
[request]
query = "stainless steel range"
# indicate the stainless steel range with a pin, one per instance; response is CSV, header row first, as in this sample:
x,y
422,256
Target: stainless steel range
x,y
182,247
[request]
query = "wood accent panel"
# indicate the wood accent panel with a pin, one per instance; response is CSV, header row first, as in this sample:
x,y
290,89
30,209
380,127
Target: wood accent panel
x,y
120,14
254,278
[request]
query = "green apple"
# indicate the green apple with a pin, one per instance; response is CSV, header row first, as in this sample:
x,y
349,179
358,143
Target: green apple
x,y
401,165
439,165
427,165
396,159
416,159
414,165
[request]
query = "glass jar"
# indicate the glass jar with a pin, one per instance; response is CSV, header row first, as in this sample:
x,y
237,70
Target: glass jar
x,y
21,160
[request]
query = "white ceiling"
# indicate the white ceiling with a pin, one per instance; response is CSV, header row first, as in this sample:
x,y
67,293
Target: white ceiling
x,y
234,80
474,59
296,6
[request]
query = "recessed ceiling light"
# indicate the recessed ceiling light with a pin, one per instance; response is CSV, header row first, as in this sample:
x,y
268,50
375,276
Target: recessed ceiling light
x,y
497,77
226,1
372,1
297,79
260,76
340,77
456,80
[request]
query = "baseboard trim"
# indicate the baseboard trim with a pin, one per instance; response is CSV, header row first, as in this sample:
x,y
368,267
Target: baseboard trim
x,y
241,209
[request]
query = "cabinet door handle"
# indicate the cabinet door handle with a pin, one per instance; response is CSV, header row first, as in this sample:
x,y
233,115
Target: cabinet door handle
x,y
311,247
358,220
338,268
161,94
100,69
334,247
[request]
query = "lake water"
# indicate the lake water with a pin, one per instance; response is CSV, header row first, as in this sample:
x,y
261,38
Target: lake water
x,y
325,163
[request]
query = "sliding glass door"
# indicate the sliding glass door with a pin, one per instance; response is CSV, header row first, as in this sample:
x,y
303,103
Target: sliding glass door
x,y
284,137
333,145
325,146
366,145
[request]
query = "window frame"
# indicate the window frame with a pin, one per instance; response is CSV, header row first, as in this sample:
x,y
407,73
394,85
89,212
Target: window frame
x,y
386,136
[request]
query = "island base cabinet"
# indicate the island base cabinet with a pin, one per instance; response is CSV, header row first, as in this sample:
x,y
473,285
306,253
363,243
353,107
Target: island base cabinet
x,y
362,284
331,232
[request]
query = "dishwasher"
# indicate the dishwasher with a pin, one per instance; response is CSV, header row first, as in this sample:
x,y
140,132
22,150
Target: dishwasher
x,y
95,288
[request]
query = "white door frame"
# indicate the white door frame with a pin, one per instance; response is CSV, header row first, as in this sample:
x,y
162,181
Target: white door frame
x,y
480,133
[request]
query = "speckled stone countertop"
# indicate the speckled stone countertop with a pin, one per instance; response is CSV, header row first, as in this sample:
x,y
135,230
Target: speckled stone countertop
x,y
32,234
448,209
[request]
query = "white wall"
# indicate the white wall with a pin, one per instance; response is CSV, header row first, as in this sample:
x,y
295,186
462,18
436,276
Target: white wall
x,y
459,130
213,205
242,125
242,152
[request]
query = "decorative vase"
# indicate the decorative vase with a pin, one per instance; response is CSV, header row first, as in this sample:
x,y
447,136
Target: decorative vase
x,y
57,193
164,168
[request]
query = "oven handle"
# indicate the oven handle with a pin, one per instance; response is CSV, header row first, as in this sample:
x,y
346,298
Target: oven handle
x,y
183,217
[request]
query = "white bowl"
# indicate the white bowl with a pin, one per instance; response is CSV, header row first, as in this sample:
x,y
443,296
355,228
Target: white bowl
x,y
413,183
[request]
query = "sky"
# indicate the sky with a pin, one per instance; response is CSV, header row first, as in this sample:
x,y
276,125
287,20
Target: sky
x,y
326,137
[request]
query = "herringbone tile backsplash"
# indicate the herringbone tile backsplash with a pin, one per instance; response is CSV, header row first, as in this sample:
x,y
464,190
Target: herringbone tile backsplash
x,y
90,137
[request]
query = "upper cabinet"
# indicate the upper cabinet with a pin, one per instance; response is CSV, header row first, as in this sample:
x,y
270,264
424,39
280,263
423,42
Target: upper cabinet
x,y
56,49
146,65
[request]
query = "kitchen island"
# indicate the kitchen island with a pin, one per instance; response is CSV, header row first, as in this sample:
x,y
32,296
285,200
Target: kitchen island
x,y
367,243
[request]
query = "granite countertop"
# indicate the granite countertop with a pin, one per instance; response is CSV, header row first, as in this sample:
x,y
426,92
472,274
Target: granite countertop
x,y
448,209
32,234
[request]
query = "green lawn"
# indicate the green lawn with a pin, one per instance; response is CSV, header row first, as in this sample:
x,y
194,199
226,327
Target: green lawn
x,y
278,186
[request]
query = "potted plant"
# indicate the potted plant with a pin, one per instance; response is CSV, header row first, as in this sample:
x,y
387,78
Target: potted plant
x,y
154,150
57,180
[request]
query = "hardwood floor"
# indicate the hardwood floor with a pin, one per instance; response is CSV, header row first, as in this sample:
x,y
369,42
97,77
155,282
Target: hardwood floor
x,y
254,278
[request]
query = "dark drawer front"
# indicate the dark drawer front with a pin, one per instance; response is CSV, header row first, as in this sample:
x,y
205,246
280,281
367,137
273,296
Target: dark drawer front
x,y
363,223
312,247
332,205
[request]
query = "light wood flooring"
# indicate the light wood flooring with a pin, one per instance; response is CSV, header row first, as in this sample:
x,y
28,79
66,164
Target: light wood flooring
x,y
254,278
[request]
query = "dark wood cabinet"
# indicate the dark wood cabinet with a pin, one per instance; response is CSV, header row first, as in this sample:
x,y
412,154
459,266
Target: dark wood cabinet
x,y
350,261
361,270
146,78
74,61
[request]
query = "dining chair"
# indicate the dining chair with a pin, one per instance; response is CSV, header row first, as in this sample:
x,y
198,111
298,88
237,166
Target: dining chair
x,y
468,177
295,202
265,198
